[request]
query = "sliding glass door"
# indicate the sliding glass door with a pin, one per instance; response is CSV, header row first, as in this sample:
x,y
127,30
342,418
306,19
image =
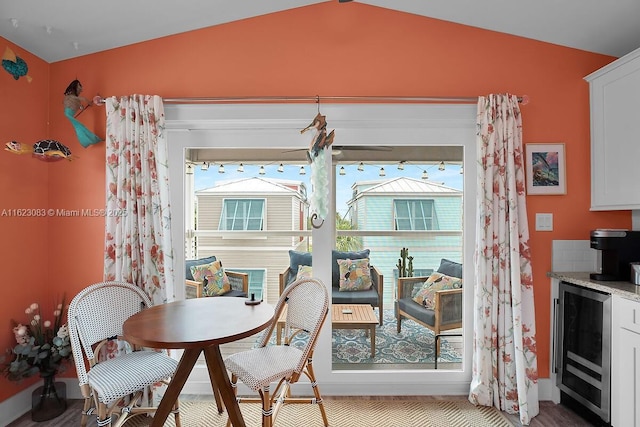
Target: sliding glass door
x,y
397,190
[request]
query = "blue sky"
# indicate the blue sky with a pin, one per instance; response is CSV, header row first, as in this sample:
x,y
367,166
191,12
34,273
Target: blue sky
x,y
451,176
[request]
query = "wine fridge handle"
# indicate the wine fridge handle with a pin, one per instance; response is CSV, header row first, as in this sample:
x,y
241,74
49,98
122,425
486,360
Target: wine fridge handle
x,y
556,334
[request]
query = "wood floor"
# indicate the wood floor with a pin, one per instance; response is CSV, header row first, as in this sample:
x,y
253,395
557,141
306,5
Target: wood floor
x,y
551,415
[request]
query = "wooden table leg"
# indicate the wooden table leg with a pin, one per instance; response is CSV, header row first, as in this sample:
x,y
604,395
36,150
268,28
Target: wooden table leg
x,y
373,341
188,359
218,371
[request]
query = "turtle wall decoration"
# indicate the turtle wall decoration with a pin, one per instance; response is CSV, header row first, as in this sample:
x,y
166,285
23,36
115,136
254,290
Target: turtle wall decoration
x,y
48,150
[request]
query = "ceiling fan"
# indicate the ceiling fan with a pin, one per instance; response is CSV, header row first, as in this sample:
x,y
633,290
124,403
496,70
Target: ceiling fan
x,y
338,149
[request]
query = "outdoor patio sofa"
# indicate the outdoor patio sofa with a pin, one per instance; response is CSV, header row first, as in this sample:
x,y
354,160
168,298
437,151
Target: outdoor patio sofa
x,y
371,296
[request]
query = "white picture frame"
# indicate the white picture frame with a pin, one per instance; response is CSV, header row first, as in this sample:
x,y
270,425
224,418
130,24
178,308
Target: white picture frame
x,y
545,169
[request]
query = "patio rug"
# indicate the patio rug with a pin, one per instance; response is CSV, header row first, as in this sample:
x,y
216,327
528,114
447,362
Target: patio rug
x,y
349,413
415,344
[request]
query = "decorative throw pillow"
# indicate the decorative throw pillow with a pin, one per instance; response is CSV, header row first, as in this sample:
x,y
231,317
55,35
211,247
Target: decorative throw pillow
x,y
217,282
304,271
337,255
191,262
355,274
436,282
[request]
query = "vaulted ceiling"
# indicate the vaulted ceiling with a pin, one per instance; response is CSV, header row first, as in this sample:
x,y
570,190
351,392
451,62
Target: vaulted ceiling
x,y
55,30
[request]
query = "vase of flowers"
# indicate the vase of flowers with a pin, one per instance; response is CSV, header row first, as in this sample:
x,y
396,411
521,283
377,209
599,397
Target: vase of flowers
x,y
42,347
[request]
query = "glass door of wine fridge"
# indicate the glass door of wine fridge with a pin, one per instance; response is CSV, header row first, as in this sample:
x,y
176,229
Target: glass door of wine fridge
x,y
584,350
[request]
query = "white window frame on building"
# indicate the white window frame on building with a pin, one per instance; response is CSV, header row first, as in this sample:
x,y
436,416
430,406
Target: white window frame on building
x,y
242,215
414,215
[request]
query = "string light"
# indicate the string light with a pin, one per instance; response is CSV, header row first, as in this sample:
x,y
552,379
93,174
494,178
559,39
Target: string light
x,y
281,168
342,171
361,167
189,170
205,166
425,175
461,170
302,171
261,171
382,172
441,166
401,166
221,168
240,168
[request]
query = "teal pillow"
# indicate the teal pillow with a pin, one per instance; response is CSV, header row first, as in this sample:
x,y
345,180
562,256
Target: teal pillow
x,y
296,259
450,268
335,268
193,262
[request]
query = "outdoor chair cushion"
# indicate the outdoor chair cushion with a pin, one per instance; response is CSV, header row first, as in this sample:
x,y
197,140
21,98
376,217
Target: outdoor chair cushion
x,y
450,268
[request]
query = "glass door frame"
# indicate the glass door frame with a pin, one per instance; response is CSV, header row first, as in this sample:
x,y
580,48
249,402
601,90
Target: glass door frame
x,y
257,126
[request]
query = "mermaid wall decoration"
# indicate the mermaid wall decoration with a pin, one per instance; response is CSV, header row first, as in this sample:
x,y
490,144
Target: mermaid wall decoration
x,y
74,105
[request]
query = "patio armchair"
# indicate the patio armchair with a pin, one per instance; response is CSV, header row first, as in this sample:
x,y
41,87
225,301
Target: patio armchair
x,y
444,313
372,296
238,282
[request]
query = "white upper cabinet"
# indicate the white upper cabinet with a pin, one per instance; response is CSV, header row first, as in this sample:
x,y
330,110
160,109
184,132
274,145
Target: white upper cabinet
x,y
615,134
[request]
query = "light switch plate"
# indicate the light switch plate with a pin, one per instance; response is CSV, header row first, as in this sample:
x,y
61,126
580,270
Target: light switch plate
x,y
544,222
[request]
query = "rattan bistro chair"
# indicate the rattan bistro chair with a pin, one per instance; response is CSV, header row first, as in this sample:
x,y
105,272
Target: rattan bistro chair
x,y
113,386
307,302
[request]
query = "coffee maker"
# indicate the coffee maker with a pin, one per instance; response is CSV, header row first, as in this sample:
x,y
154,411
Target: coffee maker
x,y
617,249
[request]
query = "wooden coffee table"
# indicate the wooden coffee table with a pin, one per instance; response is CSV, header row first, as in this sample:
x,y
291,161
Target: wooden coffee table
x,y
361,317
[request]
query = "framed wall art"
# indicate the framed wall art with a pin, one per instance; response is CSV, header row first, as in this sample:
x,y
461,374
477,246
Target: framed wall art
x,y
545,169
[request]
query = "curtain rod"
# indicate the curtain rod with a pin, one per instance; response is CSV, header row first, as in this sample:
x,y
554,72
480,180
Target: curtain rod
x,y
524,100
277,99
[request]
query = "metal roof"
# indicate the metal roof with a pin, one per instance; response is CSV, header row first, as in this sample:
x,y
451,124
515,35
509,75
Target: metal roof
x,y
254,185
401,185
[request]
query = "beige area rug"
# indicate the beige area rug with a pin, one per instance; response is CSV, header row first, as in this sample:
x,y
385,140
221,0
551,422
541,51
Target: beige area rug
x,y
349,413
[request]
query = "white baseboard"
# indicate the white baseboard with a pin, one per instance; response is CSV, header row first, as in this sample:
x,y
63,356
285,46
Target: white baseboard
x,y
545,389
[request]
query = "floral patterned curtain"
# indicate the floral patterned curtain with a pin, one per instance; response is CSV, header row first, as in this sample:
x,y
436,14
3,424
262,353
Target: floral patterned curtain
x,y
504,369
138,222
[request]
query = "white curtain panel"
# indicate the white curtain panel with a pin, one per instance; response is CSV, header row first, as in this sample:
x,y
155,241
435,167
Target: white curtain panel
x,y
504,368
138,245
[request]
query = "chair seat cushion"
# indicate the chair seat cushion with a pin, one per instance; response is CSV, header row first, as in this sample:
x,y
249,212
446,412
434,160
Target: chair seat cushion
x,y
369,296
126,374
414,309
259,367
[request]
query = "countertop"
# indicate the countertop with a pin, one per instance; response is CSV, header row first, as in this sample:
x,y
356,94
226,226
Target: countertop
x,y
623,289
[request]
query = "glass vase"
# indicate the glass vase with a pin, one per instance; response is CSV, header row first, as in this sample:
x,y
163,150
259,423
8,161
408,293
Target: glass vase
x,y
49,400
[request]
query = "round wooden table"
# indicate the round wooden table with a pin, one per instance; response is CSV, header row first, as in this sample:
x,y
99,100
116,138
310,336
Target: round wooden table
x,y
198,325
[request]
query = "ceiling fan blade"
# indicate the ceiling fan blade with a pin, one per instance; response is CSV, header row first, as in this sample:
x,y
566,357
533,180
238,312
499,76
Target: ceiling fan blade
x,y
361,147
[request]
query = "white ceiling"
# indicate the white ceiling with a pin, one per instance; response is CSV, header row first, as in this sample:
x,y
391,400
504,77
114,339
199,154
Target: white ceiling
x,y
55,30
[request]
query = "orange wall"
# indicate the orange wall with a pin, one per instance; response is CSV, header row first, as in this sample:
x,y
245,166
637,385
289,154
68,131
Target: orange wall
x,y
330,49
24,247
